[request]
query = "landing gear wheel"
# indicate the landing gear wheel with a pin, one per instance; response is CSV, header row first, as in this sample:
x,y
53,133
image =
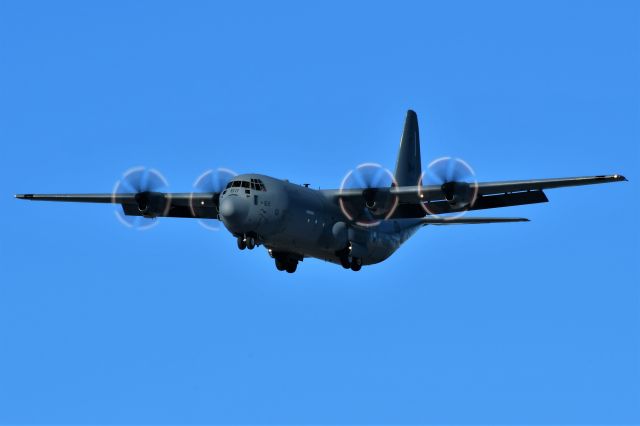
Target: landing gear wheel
x,y
251,243
356,264
344,261
280,265
242,244
292,266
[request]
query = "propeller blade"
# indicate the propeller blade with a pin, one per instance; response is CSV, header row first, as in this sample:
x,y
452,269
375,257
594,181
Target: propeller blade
x,y
373,206
140,180
458,184
211,181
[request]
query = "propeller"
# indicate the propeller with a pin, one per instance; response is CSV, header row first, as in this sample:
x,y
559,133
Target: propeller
x,y
457,181
374,205
152,200
214,182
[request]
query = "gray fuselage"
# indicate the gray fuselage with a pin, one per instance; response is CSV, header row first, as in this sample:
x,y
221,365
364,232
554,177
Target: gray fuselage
x,y
302,222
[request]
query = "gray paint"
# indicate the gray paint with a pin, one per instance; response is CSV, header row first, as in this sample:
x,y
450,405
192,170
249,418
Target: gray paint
x,y
306,223
295,222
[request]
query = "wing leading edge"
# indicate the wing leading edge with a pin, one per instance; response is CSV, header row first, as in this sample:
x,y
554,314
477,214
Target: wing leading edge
x,y
149,204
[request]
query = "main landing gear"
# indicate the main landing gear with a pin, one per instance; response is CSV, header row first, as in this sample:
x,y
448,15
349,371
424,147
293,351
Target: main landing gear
x,y
246,241
286,261
353,263
289,265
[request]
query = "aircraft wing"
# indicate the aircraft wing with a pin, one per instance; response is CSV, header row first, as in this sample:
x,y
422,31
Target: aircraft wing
x,y
149,204
489,194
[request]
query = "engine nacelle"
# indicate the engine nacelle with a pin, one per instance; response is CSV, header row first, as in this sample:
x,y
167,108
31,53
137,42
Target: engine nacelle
x,y
458,194
152,204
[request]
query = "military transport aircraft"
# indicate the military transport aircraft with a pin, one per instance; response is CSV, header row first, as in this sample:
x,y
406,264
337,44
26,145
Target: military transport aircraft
x,y
363,222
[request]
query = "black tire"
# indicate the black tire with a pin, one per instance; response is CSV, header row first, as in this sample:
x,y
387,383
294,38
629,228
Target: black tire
x,y
242,244
280,265
251,243
291,267
356,264
344,261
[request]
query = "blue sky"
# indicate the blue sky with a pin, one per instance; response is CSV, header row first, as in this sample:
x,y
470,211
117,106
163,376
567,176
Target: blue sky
x,y
534,323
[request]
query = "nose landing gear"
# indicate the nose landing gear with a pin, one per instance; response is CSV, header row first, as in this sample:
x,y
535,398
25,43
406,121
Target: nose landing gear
x,y
246,241
251,242
242,244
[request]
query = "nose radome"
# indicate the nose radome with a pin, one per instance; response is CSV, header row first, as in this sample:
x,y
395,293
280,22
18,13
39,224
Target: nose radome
x,y
234,210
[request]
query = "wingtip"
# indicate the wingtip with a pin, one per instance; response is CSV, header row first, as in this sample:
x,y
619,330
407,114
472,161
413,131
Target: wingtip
x,y
620,178
23,196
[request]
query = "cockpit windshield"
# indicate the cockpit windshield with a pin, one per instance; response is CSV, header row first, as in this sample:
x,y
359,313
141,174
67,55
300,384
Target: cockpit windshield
x,y
255,184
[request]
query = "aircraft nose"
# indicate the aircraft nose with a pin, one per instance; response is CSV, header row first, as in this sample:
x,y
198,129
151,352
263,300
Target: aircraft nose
x,y
233,210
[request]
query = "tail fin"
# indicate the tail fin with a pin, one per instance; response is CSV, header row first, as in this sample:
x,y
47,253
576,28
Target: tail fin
x,y
409,164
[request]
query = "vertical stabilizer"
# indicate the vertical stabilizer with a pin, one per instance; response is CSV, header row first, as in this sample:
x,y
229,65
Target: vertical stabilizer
x,y
409,164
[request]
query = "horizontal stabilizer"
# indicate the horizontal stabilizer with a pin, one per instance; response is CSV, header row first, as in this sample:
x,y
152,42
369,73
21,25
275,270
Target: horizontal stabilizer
x,y
429,220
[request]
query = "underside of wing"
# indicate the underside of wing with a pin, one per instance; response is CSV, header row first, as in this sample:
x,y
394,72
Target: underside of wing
x,y
147,204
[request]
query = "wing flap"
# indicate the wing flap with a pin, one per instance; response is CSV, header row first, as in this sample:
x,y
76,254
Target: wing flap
x,y
491,202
